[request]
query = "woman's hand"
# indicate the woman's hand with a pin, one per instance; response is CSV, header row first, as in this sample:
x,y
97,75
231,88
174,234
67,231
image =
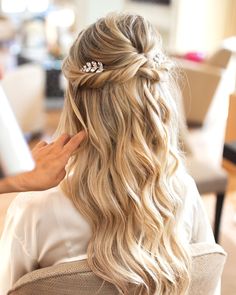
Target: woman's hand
x,y
50,160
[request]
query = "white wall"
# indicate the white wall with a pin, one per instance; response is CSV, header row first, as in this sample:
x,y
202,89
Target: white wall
x,y
89,11
187,25
200,24
161,16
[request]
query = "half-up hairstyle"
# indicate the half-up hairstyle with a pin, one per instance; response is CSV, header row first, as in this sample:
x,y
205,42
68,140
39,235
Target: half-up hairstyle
x,y
125,177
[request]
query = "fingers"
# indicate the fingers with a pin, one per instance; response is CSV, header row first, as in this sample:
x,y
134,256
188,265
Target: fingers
x,y
62,140
63,147
74,143
58,143
40,144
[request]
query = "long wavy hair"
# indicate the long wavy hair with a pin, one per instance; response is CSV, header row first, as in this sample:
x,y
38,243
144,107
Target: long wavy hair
x,y
126,176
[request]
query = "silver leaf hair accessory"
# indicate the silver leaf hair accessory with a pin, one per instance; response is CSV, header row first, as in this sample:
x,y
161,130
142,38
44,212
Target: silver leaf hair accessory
x,y
92,67
162,60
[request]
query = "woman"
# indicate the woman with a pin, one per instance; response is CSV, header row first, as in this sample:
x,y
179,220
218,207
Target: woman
x,y
127,204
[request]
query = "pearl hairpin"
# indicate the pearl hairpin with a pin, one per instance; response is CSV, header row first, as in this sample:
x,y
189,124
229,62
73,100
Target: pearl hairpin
x,y
160,59
92,67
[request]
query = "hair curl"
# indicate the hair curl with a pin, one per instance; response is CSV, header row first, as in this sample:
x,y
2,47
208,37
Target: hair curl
x,y
126,175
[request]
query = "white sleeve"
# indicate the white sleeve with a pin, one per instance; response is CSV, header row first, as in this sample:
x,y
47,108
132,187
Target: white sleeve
x,y
202,230
16,259
195,214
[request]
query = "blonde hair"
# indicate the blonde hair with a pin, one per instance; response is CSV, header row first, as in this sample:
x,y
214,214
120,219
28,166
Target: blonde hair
x,y
126,174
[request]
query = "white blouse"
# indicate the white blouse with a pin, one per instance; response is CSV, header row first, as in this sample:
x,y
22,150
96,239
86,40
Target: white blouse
x,y
44,228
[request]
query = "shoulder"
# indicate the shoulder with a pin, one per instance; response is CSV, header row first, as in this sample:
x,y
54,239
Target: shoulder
x,y
31,207
29,200
195,218
32,214
191,200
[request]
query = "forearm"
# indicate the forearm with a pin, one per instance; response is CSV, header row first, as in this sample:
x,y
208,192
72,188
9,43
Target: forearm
x,y
5,186
10,185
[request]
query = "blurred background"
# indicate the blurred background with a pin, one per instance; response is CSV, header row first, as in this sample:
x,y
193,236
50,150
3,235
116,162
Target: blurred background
x,y
200,35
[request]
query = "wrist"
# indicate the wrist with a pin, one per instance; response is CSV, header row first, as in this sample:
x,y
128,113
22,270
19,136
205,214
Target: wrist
x,y
12,184
6,186
17,183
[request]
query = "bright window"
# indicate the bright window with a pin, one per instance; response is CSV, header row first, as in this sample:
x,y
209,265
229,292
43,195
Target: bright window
x,y
17,6
14,6
37,5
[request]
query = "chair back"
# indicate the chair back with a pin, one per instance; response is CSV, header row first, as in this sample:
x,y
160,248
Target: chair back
x,y
221,58
24,87
77,278
207,266
209,85
205,102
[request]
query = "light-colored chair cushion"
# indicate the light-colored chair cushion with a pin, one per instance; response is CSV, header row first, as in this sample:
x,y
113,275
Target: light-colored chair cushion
x,y
208,263
7,29
202,81
74,278
208,178
64,279
24,87
208,87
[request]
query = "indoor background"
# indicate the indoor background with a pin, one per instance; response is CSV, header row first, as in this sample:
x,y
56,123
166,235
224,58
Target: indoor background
x,y
200,35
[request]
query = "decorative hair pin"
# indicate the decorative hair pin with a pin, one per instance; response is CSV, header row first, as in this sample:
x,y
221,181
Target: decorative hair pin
x,y
97,67
162,60
92,67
